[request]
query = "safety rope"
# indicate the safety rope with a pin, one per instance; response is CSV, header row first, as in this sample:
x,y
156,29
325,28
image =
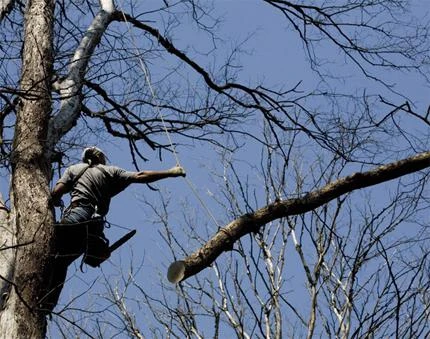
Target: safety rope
x,y
158,111
151,88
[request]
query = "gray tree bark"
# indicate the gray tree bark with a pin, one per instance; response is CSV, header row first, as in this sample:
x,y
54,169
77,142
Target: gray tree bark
x,y
7,254
31,224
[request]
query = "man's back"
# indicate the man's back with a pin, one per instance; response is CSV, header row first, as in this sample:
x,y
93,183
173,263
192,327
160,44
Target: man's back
x,y
97,184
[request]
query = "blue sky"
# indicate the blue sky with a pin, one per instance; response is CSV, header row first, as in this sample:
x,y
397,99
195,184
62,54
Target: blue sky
x,y
274,56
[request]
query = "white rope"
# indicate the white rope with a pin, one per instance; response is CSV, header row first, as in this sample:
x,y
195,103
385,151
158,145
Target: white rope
x,y
158,111
208,211
151,89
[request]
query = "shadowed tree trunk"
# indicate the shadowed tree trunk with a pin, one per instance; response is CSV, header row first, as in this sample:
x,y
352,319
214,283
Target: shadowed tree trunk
x,y
32,219
6,256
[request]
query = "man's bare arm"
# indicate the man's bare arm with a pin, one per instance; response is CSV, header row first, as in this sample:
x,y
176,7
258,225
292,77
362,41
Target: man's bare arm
x,y
146,177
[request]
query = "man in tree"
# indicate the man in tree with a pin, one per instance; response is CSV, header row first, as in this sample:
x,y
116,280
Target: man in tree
x,y
91,184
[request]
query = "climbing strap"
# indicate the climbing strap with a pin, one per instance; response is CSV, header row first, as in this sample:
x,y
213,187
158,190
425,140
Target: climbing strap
x,y
78,176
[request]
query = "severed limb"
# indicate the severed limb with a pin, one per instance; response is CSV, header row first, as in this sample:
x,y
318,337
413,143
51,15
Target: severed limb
x,y
225,238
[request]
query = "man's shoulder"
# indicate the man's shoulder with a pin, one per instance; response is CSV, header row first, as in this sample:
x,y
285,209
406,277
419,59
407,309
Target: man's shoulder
x,y
109,168
116,171
71,172
76,167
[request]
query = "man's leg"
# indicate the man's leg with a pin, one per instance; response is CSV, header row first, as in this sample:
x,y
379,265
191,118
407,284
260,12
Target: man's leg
x,y
69,243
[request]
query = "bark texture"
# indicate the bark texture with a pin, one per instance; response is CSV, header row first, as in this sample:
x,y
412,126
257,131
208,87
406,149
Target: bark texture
x,y
225,238
33,218
71,86
7,252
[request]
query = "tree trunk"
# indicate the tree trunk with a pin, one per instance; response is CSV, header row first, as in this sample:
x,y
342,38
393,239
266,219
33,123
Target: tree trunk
x,y
7,253
32,216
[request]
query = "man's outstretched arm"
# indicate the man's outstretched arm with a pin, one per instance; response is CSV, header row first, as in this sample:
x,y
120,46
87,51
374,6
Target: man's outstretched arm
x,y
146,177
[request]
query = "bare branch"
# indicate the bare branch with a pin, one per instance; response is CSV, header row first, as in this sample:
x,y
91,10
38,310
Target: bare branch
x,y
70,87
225,238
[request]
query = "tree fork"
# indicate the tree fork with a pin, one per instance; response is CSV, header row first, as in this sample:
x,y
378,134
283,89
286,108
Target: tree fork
x,y
32,217
224,239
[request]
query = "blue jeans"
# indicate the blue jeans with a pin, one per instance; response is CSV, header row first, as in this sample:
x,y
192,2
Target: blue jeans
x,y
78,214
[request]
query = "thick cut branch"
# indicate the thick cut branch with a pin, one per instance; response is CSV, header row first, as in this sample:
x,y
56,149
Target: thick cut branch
x,y
70,87
224,239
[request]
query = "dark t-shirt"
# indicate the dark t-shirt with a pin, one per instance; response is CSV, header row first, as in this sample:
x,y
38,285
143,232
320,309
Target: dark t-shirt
x,y
97,185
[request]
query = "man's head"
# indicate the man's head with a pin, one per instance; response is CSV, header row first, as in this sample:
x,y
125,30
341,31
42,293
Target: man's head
x,y
93,156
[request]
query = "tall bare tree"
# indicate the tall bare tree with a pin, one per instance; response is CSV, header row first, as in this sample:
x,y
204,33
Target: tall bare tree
x,y
72,67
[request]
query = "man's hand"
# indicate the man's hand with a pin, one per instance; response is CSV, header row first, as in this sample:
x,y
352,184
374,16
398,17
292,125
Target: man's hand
x,y
59,190
56,201
177,171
